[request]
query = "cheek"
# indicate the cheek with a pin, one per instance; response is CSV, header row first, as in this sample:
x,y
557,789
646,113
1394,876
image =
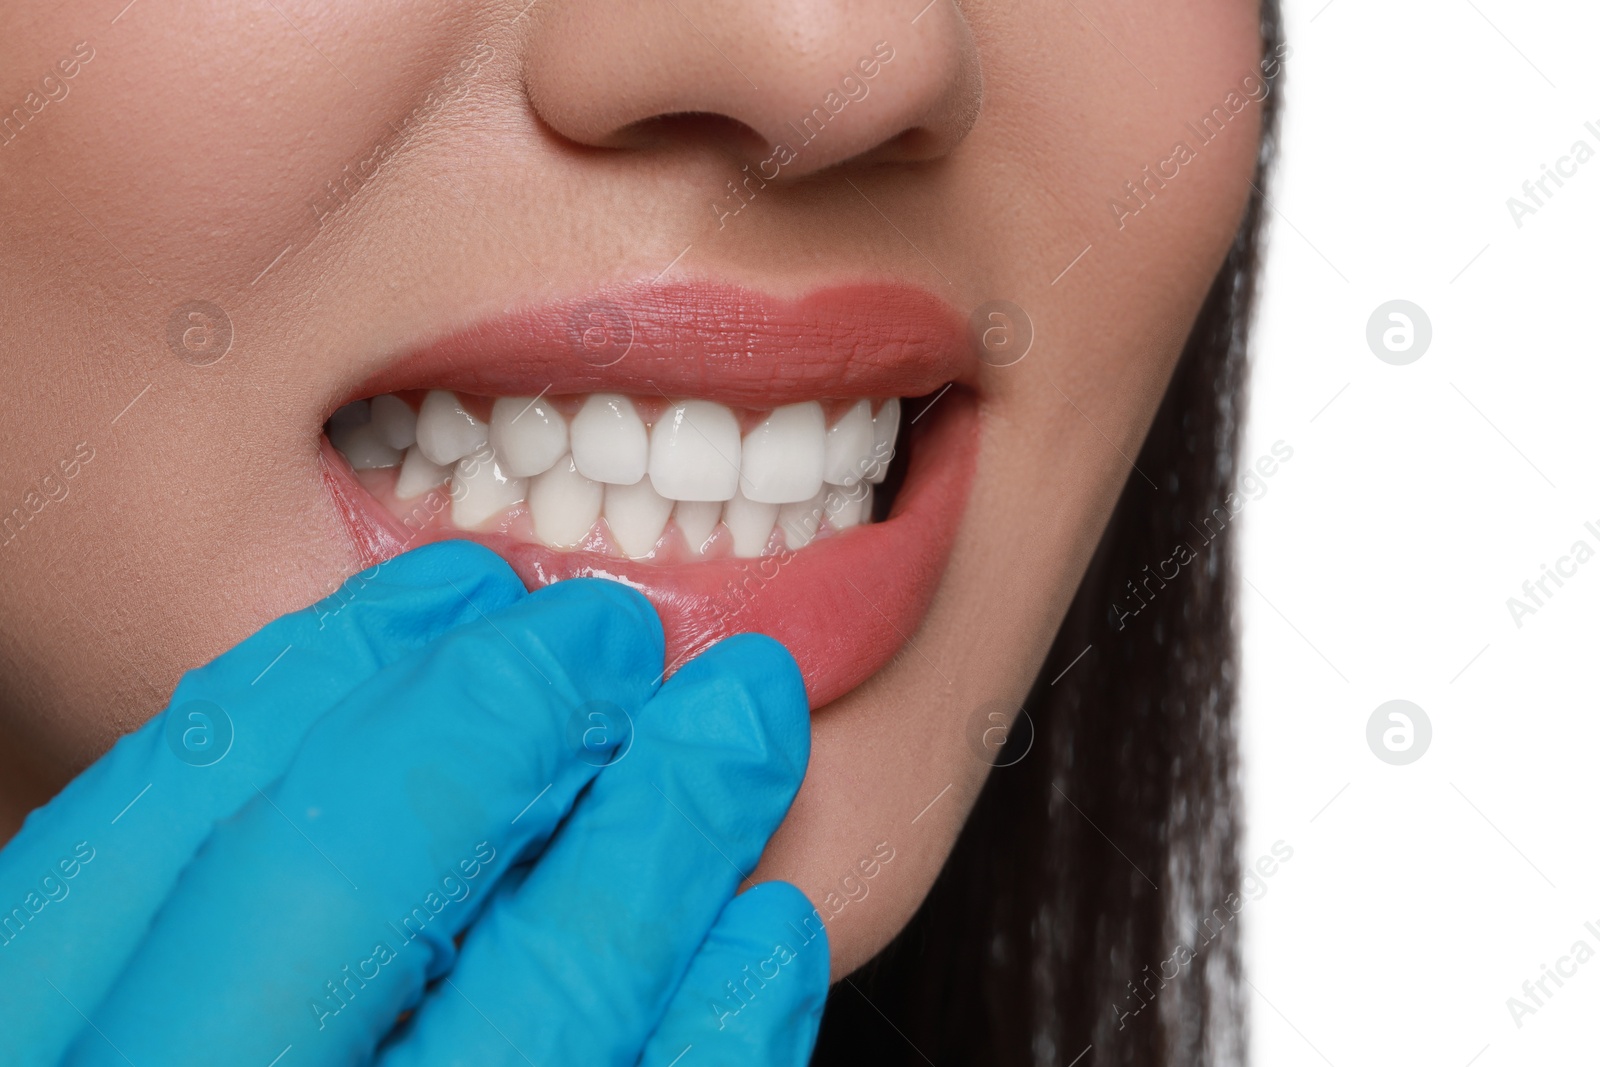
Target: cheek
x,y
1190,150
180,165
1153,185
196,138
1067,120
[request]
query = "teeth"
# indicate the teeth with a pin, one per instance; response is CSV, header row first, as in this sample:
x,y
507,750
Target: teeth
x,y
848,505
792,474
564,504
695,452
750,523
847,455
609,442
637,516
884,428
445,431
480,490
528,434
800,521
394,421
362,447
782,460
419,474
697,521
352,414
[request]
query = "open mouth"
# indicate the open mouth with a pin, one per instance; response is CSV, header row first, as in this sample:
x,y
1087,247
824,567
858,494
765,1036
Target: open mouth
x,y
625,477
739,460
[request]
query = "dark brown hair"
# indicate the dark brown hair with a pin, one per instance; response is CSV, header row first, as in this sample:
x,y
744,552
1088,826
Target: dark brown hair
x,y
1051,931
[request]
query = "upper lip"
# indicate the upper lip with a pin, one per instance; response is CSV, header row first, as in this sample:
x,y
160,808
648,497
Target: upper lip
x,y
720,342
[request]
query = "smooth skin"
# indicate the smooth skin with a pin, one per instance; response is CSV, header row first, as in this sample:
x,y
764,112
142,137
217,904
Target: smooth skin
x,y
285,859
190,159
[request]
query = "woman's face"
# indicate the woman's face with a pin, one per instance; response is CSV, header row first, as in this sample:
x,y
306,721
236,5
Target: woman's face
x,y
224,222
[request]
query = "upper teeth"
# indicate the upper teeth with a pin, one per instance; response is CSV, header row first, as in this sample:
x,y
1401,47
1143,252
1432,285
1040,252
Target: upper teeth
x,y
782,458
609,441
848,440
394,421
528,435
695,452
637,468
446,431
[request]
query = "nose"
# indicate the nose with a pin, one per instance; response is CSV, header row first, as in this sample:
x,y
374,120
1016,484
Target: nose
x,y
828,80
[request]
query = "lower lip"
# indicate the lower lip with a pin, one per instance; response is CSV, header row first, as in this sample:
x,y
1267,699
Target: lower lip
x,y
843,606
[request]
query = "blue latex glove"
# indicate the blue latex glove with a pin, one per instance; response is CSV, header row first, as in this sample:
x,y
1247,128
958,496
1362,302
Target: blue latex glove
x,y
278,867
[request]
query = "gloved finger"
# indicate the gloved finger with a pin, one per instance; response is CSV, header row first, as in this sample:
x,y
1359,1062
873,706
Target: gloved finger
x,y
317,914
577,964
755,991
81,881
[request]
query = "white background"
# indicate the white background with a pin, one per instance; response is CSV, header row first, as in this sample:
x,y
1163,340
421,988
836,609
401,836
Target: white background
x,y
1419,499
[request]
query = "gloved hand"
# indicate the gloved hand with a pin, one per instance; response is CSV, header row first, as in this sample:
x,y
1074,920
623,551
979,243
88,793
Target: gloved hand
x,y
278,867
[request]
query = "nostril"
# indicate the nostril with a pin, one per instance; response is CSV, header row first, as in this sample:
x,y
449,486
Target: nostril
x,y
909,146
700,128
828,83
